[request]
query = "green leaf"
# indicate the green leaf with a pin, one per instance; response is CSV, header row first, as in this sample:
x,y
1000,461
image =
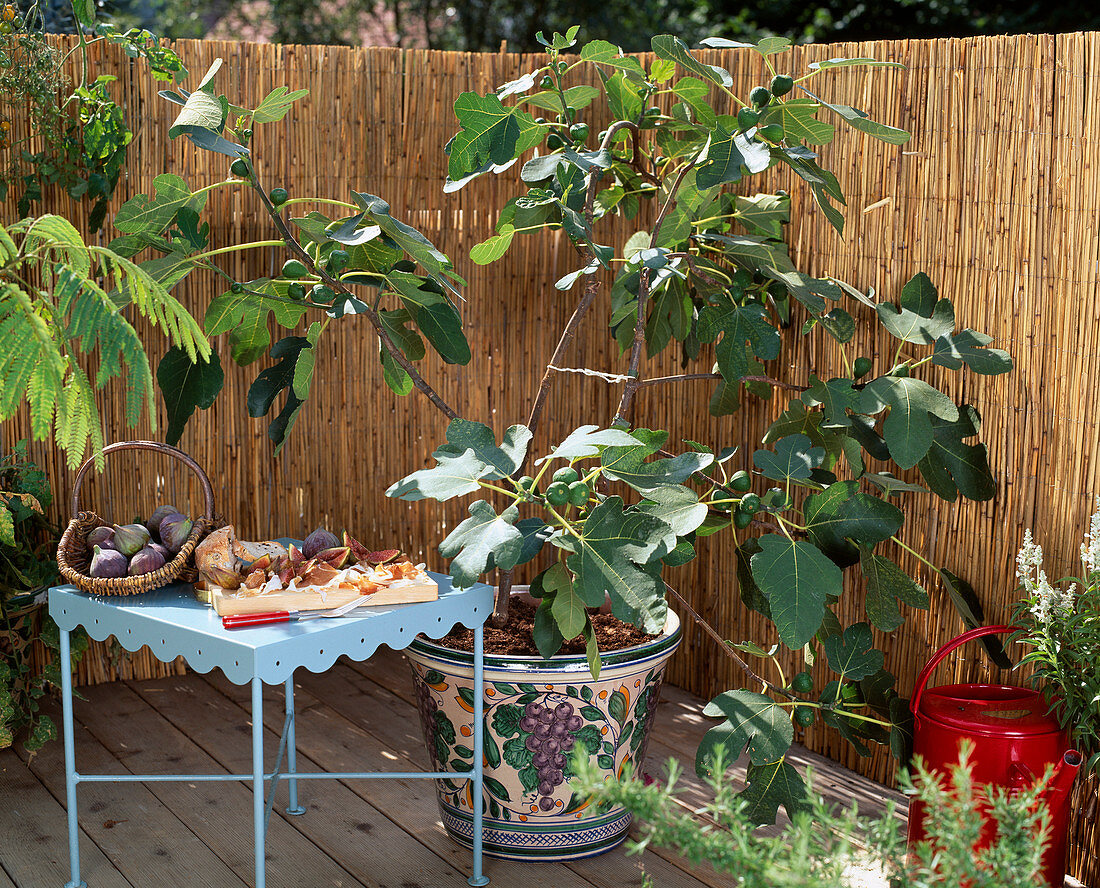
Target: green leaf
x,y
794,458
492,249
745,333
856,119
852,655
727,154
951,466
849,63
491,133
567,607
763,215
610,559
666,46
186,385
836,397
627,464
678,507
453,475
969,347
267,386
770,786
481,539
276,104
841,513
694,93
920,318
145,214
908,429
586,441
624,97
796,578
580,96
748,719
766,47
505,458
405,236
886,583
798,117
85,12
544,631
603,53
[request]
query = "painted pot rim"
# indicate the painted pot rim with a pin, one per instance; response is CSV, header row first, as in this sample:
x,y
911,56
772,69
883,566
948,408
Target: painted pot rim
x,y
666,642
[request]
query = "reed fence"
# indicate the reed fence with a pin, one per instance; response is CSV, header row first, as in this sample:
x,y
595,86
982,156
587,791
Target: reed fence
x,y
995,196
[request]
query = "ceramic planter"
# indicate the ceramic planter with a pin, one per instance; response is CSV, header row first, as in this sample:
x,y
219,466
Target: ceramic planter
x,y
536,714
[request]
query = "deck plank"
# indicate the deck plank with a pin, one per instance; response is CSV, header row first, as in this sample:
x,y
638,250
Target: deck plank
x,y
143,839
360,697
34,844
340,822
220,813
338,743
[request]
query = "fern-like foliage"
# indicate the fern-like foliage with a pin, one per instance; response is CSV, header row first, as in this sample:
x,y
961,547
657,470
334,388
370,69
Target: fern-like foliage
x,y
61,298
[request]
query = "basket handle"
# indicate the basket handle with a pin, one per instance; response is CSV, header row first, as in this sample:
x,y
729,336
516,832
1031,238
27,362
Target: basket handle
x,y
941,655
168,450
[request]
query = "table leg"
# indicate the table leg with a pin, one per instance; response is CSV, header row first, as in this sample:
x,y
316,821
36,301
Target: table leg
x,y
66,666
291,760
478,878
258,832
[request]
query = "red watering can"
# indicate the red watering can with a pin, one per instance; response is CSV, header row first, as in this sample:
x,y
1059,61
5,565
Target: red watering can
x,y
1015,741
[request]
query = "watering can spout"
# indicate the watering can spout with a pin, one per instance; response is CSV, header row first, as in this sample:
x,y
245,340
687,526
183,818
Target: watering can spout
x,y
1061,780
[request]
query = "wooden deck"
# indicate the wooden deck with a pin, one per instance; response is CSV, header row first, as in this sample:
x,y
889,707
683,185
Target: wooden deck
x,y
382,834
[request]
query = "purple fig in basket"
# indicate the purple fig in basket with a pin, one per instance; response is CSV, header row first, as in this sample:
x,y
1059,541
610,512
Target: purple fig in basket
x,y
108,563
103,537
161,551
318,541
174,531
146,561
130,538
159,514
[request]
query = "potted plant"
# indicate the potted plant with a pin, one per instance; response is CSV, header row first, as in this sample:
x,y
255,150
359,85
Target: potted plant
x,y
598,518
1059,626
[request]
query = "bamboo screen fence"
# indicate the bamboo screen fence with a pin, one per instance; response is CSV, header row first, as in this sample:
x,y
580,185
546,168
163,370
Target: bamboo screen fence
x,y
995,196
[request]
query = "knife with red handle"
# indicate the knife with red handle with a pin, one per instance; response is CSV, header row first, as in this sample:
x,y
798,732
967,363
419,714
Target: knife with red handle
x,y
243,621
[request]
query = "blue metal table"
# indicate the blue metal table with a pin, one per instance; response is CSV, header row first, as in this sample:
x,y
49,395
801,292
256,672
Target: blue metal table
x,y
173,623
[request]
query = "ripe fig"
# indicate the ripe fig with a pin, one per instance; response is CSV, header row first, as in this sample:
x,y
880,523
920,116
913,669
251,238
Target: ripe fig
x,y
174,531
146,561
159,514
337,557
161,551
108,563
294,556
103,537
130,538
318,541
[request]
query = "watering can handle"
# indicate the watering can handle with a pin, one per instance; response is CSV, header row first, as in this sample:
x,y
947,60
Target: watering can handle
x,y
942,653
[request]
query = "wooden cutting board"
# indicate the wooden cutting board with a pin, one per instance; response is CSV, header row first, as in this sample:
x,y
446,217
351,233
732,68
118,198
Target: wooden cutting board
x,y
231,603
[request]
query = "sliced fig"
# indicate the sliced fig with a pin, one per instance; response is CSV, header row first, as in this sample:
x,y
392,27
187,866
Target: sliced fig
x,y
383,556
337,557
262,563
295,555
359,552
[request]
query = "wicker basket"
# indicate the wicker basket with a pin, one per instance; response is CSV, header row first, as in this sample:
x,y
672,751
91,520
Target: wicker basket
x,y
74,559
